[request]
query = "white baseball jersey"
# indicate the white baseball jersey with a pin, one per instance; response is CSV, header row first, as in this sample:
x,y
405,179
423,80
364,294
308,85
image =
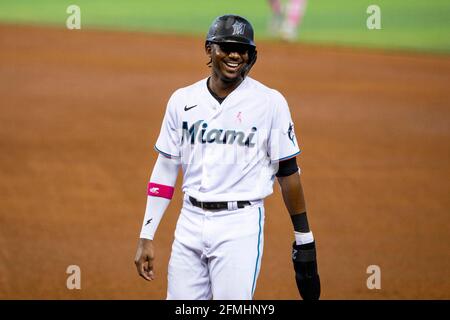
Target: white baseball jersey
x,y
228,151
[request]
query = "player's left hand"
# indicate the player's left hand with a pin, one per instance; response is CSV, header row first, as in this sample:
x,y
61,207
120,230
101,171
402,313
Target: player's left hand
x,y
306,274
144,259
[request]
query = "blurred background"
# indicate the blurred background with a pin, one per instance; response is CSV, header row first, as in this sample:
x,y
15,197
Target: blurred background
x,y
414,24
81,110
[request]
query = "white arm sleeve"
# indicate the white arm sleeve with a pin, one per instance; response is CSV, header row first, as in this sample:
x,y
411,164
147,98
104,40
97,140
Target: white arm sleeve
x,y
165,172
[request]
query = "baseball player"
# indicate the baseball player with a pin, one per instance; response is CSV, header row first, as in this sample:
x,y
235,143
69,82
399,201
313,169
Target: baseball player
x,y
286,25
231,136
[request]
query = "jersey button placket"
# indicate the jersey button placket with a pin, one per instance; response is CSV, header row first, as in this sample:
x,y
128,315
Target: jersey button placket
x,y
217,107
208,156
206,179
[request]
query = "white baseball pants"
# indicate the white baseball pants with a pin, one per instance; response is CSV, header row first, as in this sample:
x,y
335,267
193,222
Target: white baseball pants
x,y
216,254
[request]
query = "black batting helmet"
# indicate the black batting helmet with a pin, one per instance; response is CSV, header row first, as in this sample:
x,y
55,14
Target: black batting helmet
x,y
231,28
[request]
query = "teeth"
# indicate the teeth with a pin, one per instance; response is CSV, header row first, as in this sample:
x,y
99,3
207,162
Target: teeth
x,y
233,65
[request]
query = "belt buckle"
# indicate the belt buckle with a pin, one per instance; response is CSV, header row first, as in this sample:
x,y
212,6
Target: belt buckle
x,y
201,205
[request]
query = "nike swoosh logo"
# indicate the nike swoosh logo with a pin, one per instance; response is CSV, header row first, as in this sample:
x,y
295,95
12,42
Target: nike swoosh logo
x,y
186,108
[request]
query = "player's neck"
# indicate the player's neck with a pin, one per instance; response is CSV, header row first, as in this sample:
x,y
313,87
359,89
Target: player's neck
x,y
222,88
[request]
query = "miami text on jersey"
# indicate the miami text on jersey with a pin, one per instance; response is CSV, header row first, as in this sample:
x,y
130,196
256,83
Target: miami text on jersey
x,y
220,136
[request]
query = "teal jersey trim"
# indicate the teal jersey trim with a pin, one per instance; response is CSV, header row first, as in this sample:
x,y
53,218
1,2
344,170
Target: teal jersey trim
x,y
167,155
257,257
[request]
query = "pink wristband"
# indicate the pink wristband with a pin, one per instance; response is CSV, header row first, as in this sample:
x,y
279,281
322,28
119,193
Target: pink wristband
x,y
160,190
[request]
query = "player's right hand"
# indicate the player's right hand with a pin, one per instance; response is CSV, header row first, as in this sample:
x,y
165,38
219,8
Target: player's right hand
x,y
144,259
306,273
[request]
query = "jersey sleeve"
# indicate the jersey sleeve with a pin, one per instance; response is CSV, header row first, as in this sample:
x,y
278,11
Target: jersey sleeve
x,y
282,142
168,143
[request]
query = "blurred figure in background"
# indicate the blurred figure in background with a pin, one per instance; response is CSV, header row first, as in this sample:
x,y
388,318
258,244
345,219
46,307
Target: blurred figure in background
x,y
284,22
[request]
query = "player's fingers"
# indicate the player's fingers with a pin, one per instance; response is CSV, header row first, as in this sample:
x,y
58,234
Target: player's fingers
x,y
140,265
150,271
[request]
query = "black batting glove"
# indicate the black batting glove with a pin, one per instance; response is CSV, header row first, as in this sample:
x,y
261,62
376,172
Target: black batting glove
x,y
306,274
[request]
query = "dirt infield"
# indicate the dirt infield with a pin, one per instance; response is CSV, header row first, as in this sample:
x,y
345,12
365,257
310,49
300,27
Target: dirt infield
x,y
81,110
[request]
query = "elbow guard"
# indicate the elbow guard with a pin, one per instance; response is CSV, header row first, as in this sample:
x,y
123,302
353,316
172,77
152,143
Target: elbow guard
x,y
287,167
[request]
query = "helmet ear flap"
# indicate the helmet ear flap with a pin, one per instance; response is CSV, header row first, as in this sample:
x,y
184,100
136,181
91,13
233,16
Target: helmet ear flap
x,y
253,57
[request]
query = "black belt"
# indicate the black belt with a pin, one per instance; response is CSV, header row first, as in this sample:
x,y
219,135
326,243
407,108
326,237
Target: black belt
x,y
216,205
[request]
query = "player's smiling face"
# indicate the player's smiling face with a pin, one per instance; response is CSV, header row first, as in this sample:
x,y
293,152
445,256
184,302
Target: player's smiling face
x,y
228,60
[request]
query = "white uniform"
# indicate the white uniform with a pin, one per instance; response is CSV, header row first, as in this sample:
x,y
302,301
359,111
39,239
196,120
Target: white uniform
x,y
228,152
